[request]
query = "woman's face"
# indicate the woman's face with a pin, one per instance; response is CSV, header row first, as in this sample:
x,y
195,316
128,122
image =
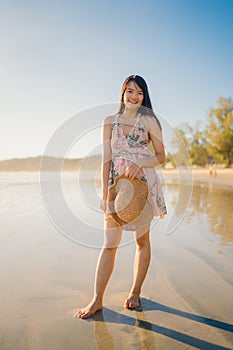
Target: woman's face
x,y
133,96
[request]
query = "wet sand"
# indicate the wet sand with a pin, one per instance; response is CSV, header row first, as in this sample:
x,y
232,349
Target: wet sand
x,y
187,297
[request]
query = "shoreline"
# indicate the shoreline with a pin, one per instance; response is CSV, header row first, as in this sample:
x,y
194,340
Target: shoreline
x,y
224,177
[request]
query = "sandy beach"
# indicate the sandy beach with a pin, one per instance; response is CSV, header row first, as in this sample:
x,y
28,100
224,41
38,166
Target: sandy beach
x,y
223,178
46,275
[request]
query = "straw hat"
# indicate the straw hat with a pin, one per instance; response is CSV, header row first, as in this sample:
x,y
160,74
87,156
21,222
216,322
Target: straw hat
x,y
128,201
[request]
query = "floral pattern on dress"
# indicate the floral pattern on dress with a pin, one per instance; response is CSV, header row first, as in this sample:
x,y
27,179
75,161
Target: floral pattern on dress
x,y
127,150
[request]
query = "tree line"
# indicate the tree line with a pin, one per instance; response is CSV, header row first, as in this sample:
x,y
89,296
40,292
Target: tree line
x,y
211,144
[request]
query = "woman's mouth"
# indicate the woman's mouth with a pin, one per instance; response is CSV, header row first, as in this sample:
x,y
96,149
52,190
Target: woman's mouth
x,y
133,102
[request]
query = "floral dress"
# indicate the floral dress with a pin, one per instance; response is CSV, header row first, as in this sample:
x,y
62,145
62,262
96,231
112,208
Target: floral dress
x,y
127,150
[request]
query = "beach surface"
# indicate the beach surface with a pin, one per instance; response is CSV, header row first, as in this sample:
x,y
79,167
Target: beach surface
x,y
223,177
48,268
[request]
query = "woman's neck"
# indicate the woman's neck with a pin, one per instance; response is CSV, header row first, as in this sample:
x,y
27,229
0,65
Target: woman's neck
x,y
128,113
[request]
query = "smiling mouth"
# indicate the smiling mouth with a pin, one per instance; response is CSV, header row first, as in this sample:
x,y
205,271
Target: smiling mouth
x,y
134,103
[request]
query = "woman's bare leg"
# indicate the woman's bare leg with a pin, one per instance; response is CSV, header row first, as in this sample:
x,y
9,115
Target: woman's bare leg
x,y
104,268
141,264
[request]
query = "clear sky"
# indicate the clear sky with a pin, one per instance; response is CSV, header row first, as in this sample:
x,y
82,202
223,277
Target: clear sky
x,y
61,57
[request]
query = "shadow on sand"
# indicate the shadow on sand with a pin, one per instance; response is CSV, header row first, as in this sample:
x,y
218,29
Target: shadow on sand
x,y
140,322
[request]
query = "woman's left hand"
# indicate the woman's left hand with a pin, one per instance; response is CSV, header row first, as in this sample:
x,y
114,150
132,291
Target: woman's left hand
x,y
103,205
132,170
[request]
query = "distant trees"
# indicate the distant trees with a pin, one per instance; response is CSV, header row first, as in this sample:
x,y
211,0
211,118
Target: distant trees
x,y
213,143
219,131
196,143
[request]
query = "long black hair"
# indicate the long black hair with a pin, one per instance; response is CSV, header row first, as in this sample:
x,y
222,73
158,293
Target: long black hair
x,y
146,106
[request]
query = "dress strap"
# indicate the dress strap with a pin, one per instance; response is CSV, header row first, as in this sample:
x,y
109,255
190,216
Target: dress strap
x,y
138,117
115,128
117,117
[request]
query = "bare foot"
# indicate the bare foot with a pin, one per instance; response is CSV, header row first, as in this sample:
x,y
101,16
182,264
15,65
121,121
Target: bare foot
x,y
94,306
132,302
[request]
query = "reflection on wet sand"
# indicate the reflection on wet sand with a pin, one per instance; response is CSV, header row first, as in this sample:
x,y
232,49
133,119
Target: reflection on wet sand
x,y
146,330
217,204
104,339
45,277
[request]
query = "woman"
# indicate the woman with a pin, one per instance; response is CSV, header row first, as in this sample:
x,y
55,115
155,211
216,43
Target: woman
x,y
126,137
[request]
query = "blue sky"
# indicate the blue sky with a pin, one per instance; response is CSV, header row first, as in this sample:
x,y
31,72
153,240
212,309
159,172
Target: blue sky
x,y
61,57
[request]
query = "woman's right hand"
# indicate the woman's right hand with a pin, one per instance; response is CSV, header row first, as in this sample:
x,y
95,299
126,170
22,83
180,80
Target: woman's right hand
x,y
103,205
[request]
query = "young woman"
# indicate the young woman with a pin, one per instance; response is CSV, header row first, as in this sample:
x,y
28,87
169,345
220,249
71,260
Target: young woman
x,y
126,137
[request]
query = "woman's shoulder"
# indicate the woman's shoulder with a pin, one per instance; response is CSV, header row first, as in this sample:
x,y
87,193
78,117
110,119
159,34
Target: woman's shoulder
x,y
150,122
109,119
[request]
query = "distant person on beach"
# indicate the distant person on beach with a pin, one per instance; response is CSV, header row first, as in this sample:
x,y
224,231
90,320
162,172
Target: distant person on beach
x,y
213,170
126,137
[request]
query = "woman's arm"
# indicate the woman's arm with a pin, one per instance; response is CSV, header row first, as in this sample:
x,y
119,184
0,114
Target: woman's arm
x,y
156,138
106,154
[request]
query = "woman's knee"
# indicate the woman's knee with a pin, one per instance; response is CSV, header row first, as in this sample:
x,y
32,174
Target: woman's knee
x,y
110,249
143,240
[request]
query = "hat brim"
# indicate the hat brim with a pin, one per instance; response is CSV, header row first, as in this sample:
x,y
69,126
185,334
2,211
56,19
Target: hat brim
x,y
136,210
